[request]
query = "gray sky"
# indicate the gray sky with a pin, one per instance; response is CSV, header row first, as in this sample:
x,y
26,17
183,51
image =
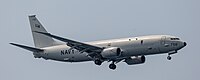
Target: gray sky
x,y
88,20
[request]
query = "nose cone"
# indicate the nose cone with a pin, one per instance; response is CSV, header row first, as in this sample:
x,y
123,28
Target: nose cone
x,y
184,43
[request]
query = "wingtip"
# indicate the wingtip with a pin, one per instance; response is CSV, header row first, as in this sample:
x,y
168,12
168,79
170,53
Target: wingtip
x,y
33,15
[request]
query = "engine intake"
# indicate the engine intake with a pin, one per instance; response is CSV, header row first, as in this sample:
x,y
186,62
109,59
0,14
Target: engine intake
x,y
137,60
111,52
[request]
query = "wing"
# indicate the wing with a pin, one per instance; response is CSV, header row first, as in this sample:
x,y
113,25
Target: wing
x,y
82,47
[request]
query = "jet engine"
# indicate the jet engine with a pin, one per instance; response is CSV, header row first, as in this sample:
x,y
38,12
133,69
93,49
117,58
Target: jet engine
x,y
111,52
136,60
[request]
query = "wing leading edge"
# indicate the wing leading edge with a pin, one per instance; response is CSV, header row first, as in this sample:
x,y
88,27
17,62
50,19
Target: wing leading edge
x,y
82,47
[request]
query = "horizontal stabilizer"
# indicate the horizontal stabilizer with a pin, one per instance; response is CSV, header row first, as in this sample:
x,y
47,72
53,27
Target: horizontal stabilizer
x,y
27,47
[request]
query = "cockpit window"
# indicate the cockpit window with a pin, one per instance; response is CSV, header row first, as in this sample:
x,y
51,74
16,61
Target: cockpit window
x,y
174,38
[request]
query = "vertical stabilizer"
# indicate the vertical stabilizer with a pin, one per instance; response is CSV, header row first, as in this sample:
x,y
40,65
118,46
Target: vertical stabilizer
x,y
40,40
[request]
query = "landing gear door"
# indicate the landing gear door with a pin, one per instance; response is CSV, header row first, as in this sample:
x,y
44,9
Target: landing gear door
x,y
163,40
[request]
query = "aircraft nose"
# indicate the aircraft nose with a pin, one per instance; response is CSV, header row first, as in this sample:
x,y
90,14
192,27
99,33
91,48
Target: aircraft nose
x,y
184,43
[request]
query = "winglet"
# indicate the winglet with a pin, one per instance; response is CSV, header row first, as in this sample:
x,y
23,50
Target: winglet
x,y
27,47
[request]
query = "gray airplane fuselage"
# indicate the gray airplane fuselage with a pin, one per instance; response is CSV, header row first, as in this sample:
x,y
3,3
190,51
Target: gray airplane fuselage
x,y
135,46
129,50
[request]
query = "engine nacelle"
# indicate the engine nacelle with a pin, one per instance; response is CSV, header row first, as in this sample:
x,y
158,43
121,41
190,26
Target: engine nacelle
x,y
137,60
111,52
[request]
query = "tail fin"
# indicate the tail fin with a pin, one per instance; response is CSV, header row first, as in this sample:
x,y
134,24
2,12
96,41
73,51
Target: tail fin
x,y
40,40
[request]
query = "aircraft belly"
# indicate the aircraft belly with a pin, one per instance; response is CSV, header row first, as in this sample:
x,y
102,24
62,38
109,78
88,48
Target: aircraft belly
x,y
132,52
138,49
79,57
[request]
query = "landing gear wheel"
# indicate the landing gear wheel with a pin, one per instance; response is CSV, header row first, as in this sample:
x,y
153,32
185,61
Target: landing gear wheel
x,y
97,62
169,57
112,66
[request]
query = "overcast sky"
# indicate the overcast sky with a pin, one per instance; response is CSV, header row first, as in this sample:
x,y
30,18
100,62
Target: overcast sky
x,y
89,20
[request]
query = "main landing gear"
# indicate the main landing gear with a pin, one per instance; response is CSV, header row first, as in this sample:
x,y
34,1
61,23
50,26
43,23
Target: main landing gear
x,y
112,66
98,62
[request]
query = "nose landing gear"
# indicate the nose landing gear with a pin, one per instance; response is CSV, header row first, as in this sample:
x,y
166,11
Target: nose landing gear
x,y
169,57
170,53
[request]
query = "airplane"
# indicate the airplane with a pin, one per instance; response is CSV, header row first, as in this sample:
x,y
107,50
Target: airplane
x,y
130,50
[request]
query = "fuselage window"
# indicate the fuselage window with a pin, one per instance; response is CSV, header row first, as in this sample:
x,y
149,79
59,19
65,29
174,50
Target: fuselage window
x,y
109,44
142,41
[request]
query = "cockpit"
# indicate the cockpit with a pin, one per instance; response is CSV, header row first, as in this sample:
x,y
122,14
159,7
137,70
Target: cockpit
x,y
174,39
